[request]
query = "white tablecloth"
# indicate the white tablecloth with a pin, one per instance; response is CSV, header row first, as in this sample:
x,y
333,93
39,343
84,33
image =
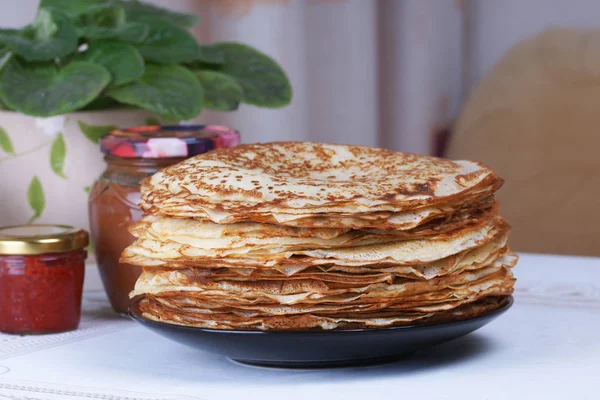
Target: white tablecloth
x,y
546,347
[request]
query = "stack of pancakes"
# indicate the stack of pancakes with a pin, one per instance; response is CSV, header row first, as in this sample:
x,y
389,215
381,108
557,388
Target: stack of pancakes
x,y
302,235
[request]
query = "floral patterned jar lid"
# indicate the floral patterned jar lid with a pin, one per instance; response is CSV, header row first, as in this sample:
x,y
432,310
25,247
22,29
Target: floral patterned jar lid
x,y
167,141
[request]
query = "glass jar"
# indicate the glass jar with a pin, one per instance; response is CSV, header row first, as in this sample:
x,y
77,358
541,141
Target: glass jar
x,y
41,278
132,155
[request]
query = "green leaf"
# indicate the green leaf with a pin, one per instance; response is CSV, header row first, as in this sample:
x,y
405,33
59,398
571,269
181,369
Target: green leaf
x,y
263,81
152,121
5,55
169,91
43,90
210,54
44,27
72,8
122,60
36,199
87,189
5,142
108,22
131,32
102,103
105,15
58,153
51,36
221,92
167,43
95,132
136,10
133,9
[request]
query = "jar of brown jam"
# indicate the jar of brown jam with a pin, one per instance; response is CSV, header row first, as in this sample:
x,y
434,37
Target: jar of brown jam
x,y
131,155
41,278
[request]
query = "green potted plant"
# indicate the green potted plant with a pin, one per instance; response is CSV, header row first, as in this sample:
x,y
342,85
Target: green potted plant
x,y
84,67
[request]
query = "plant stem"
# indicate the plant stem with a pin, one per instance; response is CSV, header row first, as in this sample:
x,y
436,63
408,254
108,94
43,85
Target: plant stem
x,y
23,153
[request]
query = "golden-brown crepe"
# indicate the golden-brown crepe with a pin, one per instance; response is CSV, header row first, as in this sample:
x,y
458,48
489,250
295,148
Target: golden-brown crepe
x,y
158,312
317,236
285,183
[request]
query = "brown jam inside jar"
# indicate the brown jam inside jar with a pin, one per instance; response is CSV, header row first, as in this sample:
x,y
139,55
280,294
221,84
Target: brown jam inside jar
x,y
131,155
113,206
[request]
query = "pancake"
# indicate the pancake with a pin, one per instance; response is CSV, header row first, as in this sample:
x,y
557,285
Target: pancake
x,y
374,275
293,267
387,220
287,291
156,312
313,236
403,252
310,180
207,239
466,260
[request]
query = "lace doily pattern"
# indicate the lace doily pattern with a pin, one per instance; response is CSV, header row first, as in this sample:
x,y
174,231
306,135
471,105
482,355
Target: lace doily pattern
x,y
37,391
97,319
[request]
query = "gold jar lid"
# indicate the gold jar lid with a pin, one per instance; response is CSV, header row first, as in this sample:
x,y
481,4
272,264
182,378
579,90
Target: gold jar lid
x,y
40,239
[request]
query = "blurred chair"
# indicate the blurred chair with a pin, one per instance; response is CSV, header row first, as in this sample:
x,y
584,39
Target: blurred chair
x,y
535,118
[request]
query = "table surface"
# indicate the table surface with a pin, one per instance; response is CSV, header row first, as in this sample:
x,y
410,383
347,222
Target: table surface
x,y
547,346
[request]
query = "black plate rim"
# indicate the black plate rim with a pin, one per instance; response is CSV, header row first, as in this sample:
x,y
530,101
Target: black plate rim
x,y
138,318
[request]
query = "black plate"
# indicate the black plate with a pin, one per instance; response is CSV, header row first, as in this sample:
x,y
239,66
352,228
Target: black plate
x,y
317,349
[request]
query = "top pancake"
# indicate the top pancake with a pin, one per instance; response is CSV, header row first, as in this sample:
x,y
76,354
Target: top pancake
x,y
287,179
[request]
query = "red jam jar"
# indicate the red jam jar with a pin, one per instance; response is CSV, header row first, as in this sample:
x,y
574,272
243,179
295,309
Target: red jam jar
x,y
131,155
41,278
